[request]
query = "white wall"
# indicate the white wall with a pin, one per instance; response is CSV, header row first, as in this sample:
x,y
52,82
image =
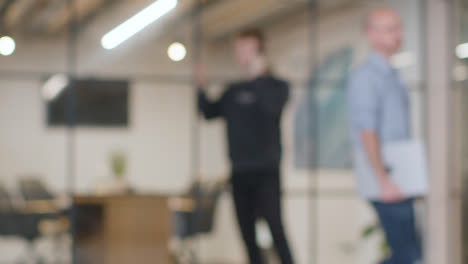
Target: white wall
x,y
27,146
157,141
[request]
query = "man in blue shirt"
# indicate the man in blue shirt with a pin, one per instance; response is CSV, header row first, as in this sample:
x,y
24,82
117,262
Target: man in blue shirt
x,y
379,114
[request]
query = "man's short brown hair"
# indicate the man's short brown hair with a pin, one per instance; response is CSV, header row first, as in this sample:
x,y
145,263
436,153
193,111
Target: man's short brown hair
x,y
253,33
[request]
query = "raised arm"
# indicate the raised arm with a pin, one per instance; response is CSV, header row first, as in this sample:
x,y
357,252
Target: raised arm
x,y
210,109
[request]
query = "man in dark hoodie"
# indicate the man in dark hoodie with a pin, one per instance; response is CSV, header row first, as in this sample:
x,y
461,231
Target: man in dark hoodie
x,y
252,109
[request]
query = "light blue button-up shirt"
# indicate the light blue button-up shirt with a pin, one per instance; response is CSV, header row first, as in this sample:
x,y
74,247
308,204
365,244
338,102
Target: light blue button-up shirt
x,y
378,101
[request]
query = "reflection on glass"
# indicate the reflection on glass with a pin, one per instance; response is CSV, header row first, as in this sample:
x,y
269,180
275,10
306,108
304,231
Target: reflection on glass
x,y
325,103
136,196
460,182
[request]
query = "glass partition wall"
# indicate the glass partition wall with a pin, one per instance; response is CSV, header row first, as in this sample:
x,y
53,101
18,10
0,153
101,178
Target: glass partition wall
x,y
111,129
316,50
458,183
34,154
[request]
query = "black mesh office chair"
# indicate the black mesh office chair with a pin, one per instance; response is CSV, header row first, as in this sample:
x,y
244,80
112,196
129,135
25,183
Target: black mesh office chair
x,y
193,214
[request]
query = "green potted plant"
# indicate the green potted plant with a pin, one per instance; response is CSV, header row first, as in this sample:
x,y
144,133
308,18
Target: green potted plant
x,y
118,164
373,230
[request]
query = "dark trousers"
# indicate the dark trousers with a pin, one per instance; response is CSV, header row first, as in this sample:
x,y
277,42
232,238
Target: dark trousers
x,y
257,194
397,220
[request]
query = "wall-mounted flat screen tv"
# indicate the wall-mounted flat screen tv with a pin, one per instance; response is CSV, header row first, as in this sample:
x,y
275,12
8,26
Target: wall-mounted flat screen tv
x,y
93,103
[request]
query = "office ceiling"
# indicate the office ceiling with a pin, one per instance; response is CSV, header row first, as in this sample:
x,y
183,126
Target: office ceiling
x,y
46,17
231,15
219,17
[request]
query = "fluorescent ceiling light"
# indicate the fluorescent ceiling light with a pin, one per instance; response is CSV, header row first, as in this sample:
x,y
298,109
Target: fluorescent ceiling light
x,y
403,59
54,86
7,46
462,51
136,23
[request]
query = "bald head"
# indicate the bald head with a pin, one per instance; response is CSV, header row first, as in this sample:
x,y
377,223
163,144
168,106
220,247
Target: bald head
x,y
375,17
383,30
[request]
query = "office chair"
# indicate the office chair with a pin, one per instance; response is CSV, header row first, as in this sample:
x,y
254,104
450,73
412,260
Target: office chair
x,y
193,214
31,215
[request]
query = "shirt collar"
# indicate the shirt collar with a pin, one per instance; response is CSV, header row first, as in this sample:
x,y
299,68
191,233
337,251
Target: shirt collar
x,y
380,62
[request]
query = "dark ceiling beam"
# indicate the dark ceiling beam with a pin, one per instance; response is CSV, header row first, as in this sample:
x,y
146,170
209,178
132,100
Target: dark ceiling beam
x,y
83,22
186,18
20,14
5,4
44,16
90,17
81,19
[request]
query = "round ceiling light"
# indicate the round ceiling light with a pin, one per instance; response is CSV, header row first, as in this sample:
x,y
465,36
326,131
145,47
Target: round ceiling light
x,y
7,46
177,51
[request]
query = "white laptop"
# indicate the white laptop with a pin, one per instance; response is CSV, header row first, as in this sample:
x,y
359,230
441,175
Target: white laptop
x,y
406,164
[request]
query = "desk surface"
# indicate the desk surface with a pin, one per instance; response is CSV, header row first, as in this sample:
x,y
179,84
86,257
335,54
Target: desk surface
x,y
106,198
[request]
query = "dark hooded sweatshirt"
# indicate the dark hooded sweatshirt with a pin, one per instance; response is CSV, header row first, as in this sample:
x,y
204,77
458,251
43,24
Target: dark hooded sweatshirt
x,y
252,110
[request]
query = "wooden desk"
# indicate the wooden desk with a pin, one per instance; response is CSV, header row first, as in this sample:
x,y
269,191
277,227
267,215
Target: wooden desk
x,y
122,229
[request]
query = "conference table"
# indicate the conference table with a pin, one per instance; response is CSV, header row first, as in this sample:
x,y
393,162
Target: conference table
x,y
121,229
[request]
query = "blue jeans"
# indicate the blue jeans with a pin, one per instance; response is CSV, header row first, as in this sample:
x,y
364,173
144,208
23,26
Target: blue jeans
x,y
398,223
